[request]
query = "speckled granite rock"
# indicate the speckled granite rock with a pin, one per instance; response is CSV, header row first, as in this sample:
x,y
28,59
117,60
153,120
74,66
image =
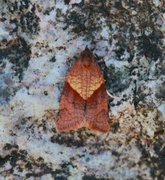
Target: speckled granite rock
x,y
39,40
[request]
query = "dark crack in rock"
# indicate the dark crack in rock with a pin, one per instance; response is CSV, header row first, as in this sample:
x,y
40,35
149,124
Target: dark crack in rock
x,y
14,60
18,53
22,15
27,166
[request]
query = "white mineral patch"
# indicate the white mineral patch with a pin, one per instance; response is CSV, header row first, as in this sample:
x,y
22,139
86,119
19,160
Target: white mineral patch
x,y
105,33
31,105
157,2
74,1
112,61
161,109
4,34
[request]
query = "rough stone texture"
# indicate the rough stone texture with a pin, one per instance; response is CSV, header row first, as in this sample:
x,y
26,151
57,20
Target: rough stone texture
x,y
39,40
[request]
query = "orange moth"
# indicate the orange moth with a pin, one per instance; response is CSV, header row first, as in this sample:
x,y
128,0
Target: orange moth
x,y
84,102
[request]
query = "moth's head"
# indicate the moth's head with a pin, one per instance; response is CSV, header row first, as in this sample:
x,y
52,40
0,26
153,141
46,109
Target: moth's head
x,y
87,58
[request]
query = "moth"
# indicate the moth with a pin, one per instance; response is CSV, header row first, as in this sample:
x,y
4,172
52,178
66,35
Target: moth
x,y
84,101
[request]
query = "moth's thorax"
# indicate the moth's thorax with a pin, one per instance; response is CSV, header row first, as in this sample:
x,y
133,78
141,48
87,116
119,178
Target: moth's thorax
x,y
86,64
86,59
86,54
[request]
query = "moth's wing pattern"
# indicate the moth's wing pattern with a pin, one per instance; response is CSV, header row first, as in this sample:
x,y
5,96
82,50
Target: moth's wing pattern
x,y
97,110
84,101
71,112
85,76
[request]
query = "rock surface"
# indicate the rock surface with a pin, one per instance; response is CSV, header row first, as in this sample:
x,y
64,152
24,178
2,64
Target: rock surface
x,y
39,40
